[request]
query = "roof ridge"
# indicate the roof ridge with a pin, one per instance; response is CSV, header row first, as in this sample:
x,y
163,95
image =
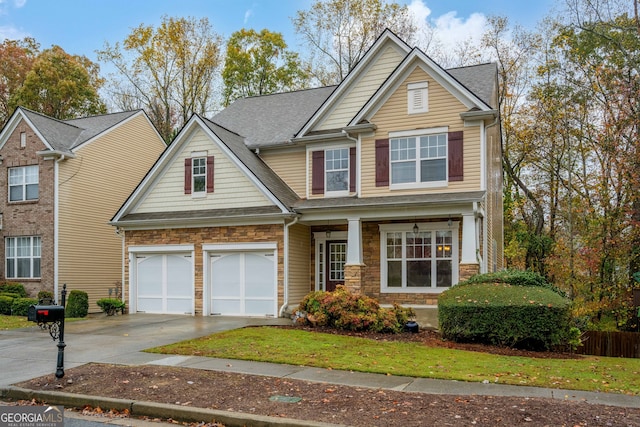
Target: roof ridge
x,y
47,117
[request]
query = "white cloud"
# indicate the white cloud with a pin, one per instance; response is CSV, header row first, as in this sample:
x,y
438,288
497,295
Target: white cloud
x,y
8,32
452,29
247,15
19,3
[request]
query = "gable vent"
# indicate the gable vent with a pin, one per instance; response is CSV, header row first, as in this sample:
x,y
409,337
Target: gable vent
x,y
417,97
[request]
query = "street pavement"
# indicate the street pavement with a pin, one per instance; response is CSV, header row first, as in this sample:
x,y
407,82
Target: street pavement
x,y
30,352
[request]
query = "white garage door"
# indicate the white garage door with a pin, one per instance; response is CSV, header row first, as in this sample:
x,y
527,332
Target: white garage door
x,y
243,284
164,284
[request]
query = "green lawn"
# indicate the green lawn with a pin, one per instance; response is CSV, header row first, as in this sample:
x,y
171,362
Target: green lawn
x,y
14,322
298,347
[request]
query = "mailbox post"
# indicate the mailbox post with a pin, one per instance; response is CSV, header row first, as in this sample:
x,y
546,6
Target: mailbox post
x,y
51,317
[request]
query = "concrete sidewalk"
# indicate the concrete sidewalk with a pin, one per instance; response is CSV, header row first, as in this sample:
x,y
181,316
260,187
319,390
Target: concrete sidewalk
x,y
29,353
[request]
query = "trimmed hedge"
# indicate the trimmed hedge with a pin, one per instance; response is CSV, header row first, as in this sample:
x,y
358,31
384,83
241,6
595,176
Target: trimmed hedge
x,y
20,306
14,288
111,306
5,304
45,295
510,311
77,304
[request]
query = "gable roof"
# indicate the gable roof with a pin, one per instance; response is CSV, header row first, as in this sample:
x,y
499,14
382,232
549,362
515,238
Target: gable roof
x,y
64,136
272,119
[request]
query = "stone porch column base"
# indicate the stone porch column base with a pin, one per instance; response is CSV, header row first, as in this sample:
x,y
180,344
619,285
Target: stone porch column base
x,y
468,270
353,278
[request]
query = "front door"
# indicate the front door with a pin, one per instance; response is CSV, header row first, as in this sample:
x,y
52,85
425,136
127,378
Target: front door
x,y
336,258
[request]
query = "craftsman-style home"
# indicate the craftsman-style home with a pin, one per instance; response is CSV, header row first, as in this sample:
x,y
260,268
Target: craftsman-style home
x,y
63,180
389,183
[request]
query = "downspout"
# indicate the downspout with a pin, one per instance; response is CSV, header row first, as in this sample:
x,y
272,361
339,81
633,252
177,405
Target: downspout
x,y
120,233
56,227
285,303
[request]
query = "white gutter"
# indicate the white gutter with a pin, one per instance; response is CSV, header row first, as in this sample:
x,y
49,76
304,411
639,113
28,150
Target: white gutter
x,y
285,303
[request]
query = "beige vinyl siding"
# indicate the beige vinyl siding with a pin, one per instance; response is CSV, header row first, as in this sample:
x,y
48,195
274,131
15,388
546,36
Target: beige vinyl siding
x,y
299,263
494,206
232,188
444,110
289,164
91,189
364,88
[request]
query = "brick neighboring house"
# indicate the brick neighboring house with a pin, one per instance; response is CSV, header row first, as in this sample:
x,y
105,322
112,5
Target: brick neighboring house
x,y
389,183
63,180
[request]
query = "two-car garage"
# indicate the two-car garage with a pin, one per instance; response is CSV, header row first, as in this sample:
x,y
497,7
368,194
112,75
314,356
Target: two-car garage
x,y
236,279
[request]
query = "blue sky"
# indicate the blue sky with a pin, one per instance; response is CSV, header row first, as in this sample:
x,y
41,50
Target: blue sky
x,y
81,27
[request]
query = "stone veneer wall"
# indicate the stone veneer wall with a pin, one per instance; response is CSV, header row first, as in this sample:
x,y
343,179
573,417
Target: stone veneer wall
x,y
208,235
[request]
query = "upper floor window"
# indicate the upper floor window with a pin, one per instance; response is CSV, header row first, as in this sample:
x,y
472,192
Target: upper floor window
x,y
337,169
419,158
333,171
23,255
417,97
198,175
23,183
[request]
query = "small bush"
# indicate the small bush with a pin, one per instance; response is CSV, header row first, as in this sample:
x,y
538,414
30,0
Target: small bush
x,y
10,295
341,309
45,295
5,304
14,288
522,315
77,304
111,306
20,306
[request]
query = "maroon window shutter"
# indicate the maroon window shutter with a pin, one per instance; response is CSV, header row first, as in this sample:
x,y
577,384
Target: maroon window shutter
x,y
456,161
352,169
382,162
187,176
317,172
210,174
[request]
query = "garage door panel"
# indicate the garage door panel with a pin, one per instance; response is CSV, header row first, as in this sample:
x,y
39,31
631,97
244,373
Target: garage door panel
x,y
226,276
150,304
179,277
257,282
258,307
164,284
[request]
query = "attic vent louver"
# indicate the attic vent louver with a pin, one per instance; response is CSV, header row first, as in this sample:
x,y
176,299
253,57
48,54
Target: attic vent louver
x,y
417,97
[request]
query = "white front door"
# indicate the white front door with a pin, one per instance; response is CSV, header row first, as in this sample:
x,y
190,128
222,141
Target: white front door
x,y
243,283
164,283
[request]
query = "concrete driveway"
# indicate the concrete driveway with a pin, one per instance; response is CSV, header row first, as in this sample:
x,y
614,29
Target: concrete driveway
x,y
30,352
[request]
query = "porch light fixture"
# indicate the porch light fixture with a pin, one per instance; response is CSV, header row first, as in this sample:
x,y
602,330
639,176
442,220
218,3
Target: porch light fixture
x,y
449,222
328,234
415,228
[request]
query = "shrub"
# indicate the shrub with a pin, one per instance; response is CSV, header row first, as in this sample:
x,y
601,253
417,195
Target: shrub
x,y
5,304
510,311
111,306
77,304
14,288
20,306
45,295
10,295
341,309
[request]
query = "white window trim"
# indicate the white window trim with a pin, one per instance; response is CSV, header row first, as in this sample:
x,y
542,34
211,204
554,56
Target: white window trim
x,y
23,184
421,90
339,193
417,133
31,257
408,227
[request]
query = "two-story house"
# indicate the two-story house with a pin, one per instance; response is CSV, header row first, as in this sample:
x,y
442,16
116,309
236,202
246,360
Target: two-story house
x,y
389,183
63,181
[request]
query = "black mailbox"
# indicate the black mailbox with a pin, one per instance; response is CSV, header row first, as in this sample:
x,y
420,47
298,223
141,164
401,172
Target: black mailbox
x,y
45,313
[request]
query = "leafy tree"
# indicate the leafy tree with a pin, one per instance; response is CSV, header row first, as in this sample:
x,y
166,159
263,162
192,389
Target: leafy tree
x,y
339,32
169,71
259,64
16,59
61,85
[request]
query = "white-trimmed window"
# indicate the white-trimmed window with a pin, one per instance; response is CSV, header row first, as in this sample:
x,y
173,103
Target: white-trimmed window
x,y
23,183
199,175
23,255
336,170
417,97
422,260
418,159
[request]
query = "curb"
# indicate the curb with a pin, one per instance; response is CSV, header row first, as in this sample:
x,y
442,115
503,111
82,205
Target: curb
x,y
157,410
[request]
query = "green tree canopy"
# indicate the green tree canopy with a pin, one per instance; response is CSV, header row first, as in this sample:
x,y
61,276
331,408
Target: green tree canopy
x,y
16,59
259,64
169,71
61,85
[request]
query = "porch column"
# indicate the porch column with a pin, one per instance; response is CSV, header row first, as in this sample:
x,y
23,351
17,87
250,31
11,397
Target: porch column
x,y
469,263
354,266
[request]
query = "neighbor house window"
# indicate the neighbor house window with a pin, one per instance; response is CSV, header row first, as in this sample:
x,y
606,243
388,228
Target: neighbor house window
x,y
419,261
23,183
198,175
23,256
